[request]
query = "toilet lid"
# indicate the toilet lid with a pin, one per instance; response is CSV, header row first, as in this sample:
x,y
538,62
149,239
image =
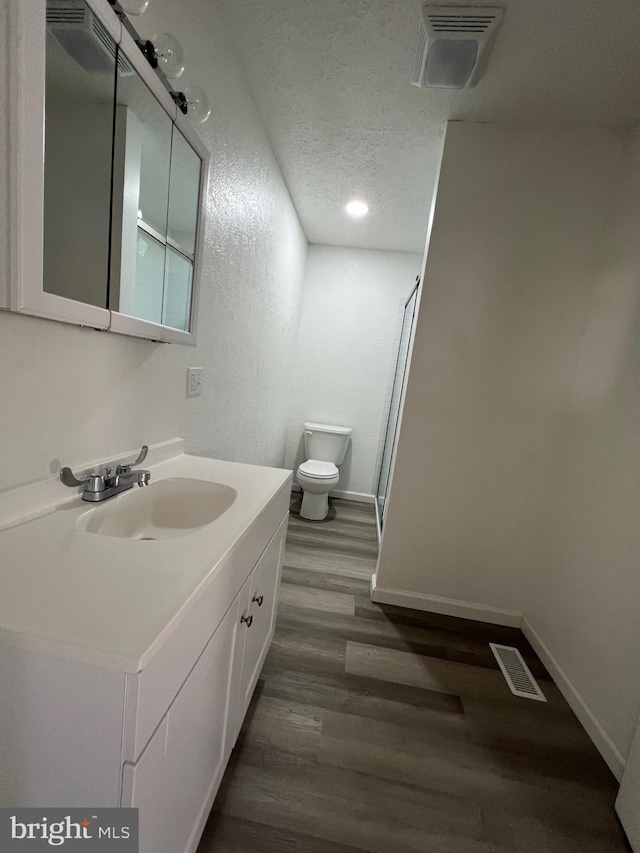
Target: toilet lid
x,y
317,469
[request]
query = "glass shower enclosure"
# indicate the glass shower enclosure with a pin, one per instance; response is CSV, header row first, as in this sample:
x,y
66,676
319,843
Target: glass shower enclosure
x,y
388,450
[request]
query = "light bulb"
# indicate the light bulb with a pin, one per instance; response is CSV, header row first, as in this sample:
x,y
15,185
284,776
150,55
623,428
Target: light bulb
x,y
170,54
198,104
134,7
357,208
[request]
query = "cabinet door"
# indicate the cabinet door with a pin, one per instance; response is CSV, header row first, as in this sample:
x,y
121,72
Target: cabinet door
x,y
176,778
265,585
235,715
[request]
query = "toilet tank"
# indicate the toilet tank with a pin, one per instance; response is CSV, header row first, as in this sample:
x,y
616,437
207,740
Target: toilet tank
x,y
325,442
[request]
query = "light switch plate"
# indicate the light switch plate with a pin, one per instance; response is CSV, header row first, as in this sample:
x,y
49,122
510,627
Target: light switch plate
x,y
194,381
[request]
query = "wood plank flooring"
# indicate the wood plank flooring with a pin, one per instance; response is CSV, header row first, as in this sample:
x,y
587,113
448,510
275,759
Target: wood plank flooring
x,y
382,729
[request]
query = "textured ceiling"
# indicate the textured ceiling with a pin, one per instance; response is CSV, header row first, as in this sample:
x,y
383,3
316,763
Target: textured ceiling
x,y
331,81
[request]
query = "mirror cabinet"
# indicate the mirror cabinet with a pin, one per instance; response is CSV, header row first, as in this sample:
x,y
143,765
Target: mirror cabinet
x,y
110,218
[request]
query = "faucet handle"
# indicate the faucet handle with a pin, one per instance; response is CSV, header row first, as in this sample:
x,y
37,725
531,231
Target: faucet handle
x,y
143,455
124,469
96,483
92,483
69,479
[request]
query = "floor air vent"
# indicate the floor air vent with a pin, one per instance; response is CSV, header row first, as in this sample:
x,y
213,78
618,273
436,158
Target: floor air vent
x,y
517,673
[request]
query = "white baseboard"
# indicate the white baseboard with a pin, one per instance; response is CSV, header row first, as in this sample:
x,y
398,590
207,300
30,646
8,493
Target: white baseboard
x,y
359,497
590,723
469,610
445,606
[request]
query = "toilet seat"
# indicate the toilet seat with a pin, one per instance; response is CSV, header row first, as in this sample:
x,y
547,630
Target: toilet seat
x,y
317,470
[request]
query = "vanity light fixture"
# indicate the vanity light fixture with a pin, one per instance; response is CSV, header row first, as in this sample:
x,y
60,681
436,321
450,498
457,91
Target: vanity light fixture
x,y
166,56
134,7
165,52
169,54
194,102
357,208
198,103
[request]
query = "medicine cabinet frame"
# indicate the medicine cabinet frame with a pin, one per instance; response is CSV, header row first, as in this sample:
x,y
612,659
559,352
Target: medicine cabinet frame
x,y
26,67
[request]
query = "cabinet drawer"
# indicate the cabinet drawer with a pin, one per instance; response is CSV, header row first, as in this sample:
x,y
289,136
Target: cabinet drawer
x,y
150,692
176,778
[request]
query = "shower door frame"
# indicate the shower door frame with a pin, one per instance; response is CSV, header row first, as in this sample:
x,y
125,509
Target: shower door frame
x,y
401,379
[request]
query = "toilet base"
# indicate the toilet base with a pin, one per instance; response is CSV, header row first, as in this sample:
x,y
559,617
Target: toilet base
x,y
314,507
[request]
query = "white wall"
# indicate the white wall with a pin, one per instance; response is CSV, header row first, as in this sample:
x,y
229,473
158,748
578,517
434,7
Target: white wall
x,y
508,287
4,154
585,598
352,308
71,395
516,482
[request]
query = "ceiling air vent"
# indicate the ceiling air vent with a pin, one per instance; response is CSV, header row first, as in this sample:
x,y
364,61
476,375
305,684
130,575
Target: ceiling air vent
x,y
453,45
84,37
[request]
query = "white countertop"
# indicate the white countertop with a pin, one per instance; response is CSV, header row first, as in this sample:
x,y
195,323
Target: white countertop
x,y
111,601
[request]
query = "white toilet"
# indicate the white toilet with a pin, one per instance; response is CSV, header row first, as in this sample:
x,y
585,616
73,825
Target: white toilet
x,y
325,447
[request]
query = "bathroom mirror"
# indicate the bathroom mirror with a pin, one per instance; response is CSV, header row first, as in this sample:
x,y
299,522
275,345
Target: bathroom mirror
x,y
142,165
79,108
110,221
155,210
182,225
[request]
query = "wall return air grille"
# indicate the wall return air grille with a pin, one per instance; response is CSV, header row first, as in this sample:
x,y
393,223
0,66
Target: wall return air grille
x,y
517,673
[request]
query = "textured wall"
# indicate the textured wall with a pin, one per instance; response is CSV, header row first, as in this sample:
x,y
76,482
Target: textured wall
x,y
252,286
353,301
75,394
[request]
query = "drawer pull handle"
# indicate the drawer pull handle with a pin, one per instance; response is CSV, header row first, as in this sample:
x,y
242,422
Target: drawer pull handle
x,y
248,619
258,599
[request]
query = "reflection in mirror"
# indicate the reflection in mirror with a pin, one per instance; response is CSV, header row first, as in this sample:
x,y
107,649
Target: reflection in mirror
x,y
80,84
183,198
156,200
144,300
142,161
177,290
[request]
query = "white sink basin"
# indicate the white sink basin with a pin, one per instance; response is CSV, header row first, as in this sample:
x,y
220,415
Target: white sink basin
x,y
164,509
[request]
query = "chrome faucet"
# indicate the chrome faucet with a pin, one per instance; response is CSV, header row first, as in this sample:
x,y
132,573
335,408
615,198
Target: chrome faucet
x,y
99,487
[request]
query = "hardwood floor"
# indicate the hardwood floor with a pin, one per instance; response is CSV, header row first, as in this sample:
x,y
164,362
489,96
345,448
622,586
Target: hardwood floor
x,y
382,729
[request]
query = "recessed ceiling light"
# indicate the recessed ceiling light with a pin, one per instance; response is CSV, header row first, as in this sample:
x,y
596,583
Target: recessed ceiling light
x,y
357,208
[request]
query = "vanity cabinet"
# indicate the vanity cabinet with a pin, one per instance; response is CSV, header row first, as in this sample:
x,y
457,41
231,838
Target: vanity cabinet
x,y
80,734
183,763
180,768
